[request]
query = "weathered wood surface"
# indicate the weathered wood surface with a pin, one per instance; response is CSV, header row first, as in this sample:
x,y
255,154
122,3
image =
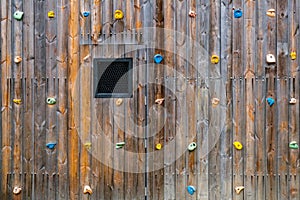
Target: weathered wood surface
x,y
57,61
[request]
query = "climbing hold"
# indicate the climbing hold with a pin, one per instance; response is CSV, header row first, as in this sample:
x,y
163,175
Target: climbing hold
x,y
214,59
17,59
17,190
120,145
17,101
51,145
238,13
270,59
51,14
192,14
158,58
191,189
119,14
158,146
86,13
88,145
192,146
18,15
293,101
87,190
270,101
159,101
51,100
238,145
271,12
293,55
215,101
294,145
238,189
119,102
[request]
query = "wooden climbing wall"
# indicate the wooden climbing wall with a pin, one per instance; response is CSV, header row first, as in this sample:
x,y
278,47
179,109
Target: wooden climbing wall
x,y
210,104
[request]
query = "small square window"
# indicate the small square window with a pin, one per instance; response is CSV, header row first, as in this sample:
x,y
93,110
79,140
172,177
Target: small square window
x,y
113,77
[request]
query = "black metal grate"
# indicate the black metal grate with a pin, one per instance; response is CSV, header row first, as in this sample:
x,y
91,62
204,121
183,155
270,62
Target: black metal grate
x,y
113,77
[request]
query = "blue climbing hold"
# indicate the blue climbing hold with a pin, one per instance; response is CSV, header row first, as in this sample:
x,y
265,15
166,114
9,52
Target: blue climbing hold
x,y
86,13
158,58
270,101
191,189
51,145
238,13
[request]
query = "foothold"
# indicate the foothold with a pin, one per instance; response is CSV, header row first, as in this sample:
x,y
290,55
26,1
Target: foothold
x,y
238,13
270,58
159,101
120,145
238,145
51,100
51,145
158,146
119,14
88,145
191,189
17,190
192,146
293,145
17,101
293,101
215,101
270,101
86,13
87,190
239,189
17,59
18,15
192,14
119,102
293,55
271,12
158,58
214,59
51,14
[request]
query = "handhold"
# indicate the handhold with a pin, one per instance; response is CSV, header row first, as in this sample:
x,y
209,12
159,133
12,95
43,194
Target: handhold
x,y
192,14
119,14
88,145
192,146
51,145
270,59
191,189
293,101
51,100
238,145
215,101
293,55
238,13
119,102
293,145
238,189
87,190
271,12
86,13
159,101
17,101
120,145
18,15
158,58
51,14
214,59
17,59
17,190
158,146
270,101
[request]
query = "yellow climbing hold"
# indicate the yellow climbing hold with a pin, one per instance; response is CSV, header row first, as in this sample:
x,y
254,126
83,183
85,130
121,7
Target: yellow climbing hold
x,y
17,101
158,146
238,189
119,14
214,59
88,145
119,102
238,145
293,55
215,101
51,14
271,12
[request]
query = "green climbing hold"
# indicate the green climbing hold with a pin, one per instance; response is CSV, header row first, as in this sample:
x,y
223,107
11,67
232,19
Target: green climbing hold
x,y
120,145
192,146
294,145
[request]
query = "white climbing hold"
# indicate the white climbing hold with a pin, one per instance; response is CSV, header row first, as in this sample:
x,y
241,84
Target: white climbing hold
x,y
17,190
87,190
293,101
